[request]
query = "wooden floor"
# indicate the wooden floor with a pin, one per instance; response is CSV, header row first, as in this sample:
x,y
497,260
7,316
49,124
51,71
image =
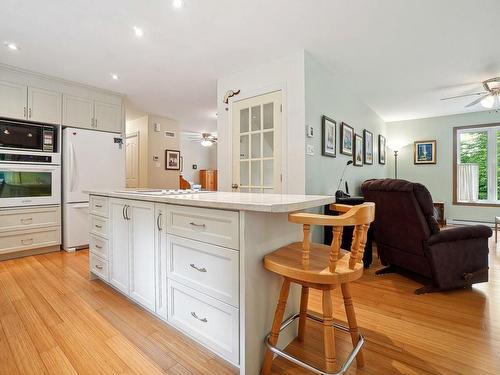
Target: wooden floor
x,y
54,320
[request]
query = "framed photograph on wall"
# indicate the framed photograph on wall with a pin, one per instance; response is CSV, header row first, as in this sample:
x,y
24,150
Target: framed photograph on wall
x,y
424,152
172,160
381,149
346,139
367,147
358,150
328,137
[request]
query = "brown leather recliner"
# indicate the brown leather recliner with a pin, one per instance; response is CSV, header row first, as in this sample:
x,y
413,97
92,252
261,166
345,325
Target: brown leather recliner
x,y
408,237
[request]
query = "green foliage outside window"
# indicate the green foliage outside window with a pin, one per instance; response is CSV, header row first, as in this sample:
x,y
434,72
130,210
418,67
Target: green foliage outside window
x,y
474,149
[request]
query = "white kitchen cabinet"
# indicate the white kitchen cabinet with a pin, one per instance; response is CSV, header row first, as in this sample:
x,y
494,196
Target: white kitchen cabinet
x,y
78,111
107,116
120,243
44,105
161,260
13,100
142,253
132,255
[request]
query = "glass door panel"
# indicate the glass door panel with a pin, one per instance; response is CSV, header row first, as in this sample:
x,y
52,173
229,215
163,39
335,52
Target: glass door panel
x,y
25,184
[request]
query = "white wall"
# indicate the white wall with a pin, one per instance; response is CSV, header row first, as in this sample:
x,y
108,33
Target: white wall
x,y
158,177
286,74
324,95
438,178
195,153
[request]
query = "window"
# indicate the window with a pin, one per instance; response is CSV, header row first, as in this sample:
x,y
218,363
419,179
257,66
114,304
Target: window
x,y
477,169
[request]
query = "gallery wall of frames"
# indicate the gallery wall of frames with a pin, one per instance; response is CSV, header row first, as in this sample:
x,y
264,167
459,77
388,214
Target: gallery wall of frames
x,y
359,145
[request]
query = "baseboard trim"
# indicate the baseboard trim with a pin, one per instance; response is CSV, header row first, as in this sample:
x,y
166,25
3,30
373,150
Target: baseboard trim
x,y
469,222
27,253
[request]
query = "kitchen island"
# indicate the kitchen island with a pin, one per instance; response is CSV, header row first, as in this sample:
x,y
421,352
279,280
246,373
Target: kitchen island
x,y
195,261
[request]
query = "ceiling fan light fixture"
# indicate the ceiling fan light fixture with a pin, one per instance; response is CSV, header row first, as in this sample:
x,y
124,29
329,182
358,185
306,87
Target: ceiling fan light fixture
x,y
488,102
206,142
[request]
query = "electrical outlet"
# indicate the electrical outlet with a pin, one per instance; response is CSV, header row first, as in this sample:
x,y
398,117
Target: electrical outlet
x,y
310,150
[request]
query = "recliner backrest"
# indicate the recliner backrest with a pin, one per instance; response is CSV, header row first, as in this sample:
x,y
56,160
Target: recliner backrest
x,y
404,214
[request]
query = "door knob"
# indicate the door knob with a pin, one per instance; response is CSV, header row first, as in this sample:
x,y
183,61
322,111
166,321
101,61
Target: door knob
x,y
234,186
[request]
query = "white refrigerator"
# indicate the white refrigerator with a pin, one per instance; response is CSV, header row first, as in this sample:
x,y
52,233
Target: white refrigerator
x,y
91,160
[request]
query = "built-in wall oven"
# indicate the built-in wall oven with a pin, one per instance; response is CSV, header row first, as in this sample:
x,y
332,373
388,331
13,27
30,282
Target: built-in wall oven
x,y
30,164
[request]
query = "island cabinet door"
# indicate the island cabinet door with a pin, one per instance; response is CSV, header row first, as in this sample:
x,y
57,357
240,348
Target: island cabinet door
x,y
161,260
142,253
120,244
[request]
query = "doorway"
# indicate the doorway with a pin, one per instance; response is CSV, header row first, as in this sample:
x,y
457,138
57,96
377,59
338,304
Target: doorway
x,y
132,160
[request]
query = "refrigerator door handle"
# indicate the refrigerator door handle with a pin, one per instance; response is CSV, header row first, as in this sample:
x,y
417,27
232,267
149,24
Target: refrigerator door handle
x,y
72,162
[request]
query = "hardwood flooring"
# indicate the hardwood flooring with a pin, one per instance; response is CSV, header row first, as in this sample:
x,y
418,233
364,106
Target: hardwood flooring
x,y
54,320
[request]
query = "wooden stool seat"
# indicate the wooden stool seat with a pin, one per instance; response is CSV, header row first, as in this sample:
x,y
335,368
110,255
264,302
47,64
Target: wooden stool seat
x,y
287,262
321,267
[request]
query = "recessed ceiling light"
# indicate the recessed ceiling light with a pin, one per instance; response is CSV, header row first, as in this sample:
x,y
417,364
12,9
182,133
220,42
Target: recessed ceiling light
x,y
178,4
138,31
12,46
114,76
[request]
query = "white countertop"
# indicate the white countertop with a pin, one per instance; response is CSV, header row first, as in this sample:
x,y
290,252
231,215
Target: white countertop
x,y
228,200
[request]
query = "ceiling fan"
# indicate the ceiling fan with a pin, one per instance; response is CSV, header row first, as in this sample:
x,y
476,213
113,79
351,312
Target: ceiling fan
x,y
206,139
488,98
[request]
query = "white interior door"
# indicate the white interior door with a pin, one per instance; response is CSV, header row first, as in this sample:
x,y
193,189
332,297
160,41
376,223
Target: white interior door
x,y
256,124
132,160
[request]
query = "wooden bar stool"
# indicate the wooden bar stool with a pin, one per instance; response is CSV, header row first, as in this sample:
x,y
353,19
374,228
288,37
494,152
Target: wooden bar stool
x,y
325,268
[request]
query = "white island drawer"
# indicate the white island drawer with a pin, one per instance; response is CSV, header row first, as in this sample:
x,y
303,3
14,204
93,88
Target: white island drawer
x,y
213,323
207,268
99,226
217,227
99,267
99,206
98,246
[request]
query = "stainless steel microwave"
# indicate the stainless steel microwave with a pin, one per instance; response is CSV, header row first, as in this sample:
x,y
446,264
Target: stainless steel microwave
x,y
20,135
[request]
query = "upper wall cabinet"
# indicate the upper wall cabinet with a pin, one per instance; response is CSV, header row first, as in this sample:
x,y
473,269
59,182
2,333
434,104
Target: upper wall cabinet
x,y
44,105
33,97
91,114
12,100
107,116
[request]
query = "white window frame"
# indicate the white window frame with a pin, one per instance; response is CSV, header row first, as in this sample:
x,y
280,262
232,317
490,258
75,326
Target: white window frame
x,y
492,161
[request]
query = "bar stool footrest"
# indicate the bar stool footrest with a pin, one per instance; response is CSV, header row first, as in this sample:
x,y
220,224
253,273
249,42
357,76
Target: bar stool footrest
x,y
345,366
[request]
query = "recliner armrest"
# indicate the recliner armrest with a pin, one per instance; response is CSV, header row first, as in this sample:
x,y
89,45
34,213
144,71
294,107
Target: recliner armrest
x,y
461,233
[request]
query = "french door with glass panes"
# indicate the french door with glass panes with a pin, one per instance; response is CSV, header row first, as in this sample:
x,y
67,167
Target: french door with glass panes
x,y
256,125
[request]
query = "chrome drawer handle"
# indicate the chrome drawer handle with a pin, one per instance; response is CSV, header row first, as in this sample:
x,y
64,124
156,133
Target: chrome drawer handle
x,y
204,320
28,241
98,267
197,225
98,206
198,269
98,226
28,220
98,247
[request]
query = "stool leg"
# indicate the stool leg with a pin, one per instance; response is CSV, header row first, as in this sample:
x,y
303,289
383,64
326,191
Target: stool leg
x,y
351,319
496,230
328,332
275,330
304,298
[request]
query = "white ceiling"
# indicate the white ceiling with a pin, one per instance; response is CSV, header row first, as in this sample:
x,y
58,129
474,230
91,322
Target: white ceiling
x,y
399,56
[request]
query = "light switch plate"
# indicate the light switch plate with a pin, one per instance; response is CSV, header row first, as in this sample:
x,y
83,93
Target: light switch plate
x,y
310,131
310,150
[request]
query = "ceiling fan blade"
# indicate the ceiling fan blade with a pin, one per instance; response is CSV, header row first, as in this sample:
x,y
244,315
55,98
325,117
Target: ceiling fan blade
x,y
463,96
477,100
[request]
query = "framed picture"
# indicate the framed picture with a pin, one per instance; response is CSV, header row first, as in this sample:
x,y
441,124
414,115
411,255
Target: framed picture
x,y
425,152
367,147
358,150
346,139
381,149
172,160
329,137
